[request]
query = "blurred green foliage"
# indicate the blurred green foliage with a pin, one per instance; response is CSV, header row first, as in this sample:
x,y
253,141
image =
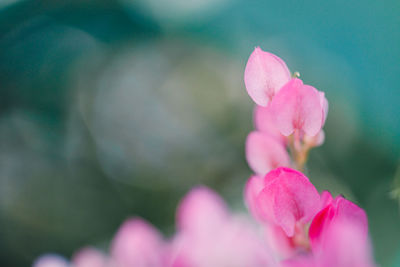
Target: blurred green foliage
x,y
111,109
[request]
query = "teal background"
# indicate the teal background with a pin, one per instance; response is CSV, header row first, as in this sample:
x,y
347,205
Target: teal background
x,y
110,109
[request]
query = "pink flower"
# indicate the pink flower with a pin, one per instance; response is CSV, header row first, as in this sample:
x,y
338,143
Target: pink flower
x,y
264,153
299,107
264,122
51,260
313,141
253,187
201,211
89,257
336,209
217,238
276,238
288,199
264,76
137,243
345,244
325,106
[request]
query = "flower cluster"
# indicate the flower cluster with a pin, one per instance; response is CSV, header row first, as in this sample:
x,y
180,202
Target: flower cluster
x,y
294,225
304,227
288,113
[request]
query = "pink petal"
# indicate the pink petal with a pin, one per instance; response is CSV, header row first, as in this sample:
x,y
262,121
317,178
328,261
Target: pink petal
x,y
253,187
324,105
89,257
300,261
233,243
338,209
264,153
201,210
326,199
51,260
346,245
280,243
297,107
264,122
314,141
264,76
287,198
137,243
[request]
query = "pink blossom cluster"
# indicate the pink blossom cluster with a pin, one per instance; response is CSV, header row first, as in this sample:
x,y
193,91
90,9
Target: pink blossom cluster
x,y
288,114
293,224
304,228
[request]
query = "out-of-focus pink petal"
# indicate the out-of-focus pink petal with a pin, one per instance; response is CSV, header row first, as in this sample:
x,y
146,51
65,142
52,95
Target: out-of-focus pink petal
x,y
300,261
264,75
287,198
337,209
137,243
234,243
279,242
316,140
264,122
324,105
89,257
264,153
201,210
345,245
51,260
253,187
297,107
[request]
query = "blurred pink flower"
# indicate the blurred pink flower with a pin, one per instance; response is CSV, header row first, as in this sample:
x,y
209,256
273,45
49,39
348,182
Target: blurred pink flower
x,y
89,257
51,260
219,239
298,107
201,211
138,243
313,141
288,199
325,106
264,76
264,153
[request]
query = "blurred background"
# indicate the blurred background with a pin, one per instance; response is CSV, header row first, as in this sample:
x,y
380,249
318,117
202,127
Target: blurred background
x,y
115,108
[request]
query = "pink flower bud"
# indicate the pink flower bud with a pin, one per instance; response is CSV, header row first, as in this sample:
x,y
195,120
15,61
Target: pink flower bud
x,y
313,141
209,236
201,210
264,153
298,107
264,122
324,105
264,76
137,243
288,198
51,260
89,257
